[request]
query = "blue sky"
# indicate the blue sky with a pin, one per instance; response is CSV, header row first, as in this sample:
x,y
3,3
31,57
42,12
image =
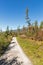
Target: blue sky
x,y
12,12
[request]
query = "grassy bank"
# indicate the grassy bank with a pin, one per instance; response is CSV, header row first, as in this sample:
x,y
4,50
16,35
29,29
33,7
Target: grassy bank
x,y
4,42
33,49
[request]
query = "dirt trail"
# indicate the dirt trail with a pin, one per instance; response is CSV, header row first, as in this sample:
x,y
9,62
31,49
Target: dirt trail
x,y
14,55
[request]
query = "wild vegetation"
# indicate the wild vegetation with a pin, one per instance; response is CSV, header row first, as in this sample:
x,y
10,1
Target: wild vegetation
x,y
5,39
31,40
33,49
33,31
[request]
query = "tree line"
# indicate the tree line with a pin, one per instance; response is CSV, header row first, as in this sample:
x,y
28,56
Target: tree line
x,y
33,31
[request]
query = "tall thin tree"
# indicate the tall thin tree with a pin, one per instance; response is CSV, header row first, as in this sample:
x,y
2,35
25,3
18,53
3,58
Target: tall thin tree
x,y
27,17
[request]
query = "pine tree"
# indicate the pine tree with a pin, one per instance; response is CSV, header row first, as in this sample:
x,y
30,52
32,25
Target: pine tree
x,y
27,17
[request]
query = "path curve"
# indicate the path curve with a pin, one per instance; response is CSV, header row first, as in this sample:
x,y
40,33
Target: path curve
x,y
14,55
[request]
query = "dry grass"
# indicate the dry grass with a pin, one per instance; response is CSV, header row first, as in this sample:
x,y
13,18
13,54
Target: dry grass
x,y
33,49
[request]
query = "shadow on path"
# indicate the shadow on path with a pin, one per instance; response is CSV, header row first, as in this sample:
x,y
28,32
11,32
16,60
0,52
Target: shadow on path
x,y
10,62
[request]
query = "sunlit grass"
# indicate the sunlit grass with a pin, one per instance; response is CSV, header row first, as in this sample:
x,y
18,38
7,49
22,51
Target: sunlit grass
x,y
33,49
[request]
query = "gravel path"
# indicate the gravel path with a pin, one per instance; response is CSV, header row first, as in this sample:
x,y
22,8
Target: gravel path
x,y
14,55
